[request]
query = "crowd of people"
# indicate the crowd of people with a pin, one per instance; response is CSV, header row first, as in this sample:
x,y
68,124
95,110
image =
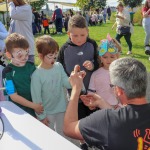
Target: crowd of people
x,y
60,19
80,90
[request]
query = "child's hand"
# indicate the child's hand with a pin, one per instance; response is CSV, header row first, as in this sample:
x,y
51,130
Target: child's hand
x,y
38,108
88,65
45,121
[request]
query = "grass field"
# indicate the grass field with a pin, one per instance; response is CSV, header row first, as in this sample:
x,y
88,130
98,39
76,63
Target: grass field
x,y
99,32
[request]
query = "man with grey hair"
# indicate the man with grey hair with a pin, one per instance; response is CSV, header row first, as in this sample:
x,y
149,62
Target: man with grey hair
x,y
125,128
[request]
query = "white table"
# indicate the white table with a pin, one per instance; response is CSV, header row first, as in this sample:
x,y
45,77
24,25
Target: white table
x,y
24,132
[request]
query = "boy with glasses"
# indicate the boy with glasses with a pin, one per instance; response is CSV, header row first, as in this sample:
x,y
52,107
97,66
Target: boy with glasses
x,y
20,71
48,83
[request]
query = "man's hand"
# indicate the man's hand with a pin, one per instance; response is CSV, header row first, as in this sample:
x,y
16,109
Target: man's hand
x,y
76,78
88,65
93,100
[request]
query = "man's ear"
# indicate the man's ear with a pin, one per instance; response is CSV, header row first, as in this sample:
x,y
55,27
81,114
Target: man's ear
x,y
121,95
119,91
8,55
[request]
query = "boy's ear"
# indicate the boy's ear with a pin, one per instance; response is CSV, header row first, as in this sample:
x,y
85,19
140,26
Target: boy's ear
x,y
88,30
8,55
68,33
40,55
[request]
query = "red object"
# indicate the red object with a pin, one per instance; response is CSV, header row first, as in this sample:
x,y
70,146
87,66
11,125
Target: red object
x,y
45,23
145,9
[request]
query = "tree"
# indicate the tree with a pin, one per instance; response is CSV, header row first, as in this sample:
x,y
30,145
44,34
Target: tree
x,y
38,5
132,3
99,3
82,3
87,4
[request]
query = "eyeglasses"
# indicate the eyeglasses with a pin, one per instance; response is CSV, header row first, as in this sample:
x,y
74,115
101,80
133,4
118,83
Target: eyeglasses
x,y
112,86
52,56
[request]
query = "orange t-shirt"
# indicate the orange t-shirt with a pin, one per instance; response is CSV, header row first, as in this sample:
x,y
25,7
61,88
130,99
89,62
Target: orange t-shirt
x,y
45,23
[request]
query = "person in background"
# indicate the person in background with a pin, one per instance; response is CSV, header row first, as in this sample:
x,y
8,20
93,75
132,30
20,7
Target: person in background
x,y
20,71
71,12
100,18
109,12
94,18
37,20
79,49
21,22
109,51
57,17
45,24
104,12
146,26
123,19
66,22
3,60
34,27
126,128
87,17
3,35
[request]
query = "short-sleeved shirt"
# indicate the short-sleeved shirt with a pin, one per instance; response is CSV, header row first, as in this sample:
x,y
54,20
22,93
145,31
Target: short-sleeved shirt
x,y
21,77
100,82
118,129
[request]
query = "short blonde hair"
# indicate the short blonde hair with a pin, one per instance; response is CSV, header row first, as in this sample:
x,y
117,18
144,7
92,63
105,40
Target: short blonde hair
x,y
120,4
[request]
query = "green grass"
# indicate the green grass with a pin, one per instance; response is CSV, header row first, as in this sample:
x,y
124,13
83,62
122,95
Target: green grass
x,y
100,32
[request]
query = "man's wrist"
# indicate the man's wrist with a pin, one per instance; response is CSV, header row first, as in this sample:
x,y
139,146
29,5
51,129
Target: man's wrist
x,y
103,105
75,93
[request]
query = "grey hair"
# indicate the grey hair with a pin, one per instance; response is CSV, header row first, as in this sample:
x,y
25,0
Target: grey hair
x,y
131,75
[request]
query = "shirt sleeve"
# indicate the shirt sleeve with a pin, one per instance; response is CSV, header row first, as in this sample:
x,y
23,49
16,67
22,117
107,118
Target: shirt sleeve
x,y
94,129
7,74
92,83
36,91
